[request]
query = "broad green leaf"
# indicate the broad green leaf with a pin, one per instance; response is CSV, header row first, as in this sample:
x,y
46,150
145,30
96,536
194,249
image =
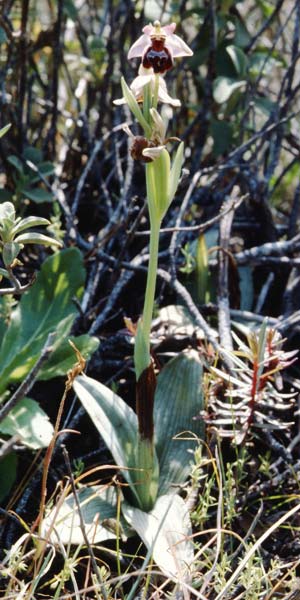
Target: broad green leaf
x,y
63,358
241,35
37,238
46,307
16,162
20,367
222,133
224,87
165,531
30,422
8,473
98,506
175,173
239,59
3,273
118,426
33,154
70,10
178,399
36,170
10,251
116,423
38,195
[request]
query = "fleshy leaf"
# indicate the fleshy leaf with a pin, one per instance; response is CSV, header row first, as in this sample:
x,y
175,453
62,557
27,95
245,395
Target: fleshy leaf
x,y
10,252
178,399
98,506
29,222
37,238
115,421
30,422
165,531
118,426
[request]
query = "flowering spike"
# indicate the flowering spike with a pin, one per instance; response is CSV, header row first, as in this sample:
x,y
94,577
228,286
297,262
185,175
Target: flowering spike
x,y
158,46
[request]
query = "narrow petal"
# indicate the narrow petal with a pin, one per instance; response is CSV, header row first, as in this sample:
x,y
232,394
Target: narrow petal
x,y
138,48
177,46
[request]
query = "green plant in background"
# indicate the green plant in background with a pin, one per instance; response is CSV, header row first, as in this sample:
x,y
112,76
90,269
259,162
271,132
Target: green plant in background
x,y
153,462
29,171
47,307
234,71
13,236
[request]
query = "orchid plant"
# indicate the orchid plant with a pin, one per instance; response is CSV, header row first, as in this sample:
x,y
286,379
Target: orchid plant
x,y
153,463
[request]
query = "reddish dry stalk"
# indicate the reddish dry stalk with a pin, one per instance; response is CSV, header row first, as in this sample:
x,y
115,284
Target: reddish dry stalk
x,y
145,390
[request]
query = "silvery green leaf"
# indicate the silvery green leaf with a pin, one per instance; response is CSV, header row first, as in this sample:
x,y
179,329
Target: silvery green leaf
x,y
118,426
178,399
176,171
115,421
29,222
30,422
10,252
134,107
7,211
4,273
165,531
98,507
37,238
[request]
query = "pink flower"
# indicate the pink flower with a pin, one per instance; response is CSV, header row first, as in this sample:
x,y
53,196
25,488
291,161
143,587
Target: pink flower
x,y
158,46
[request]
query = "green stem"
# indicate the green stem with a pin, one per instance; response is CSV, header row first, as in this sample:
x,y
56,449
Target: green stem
x,y
151,279
147,102
155,95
